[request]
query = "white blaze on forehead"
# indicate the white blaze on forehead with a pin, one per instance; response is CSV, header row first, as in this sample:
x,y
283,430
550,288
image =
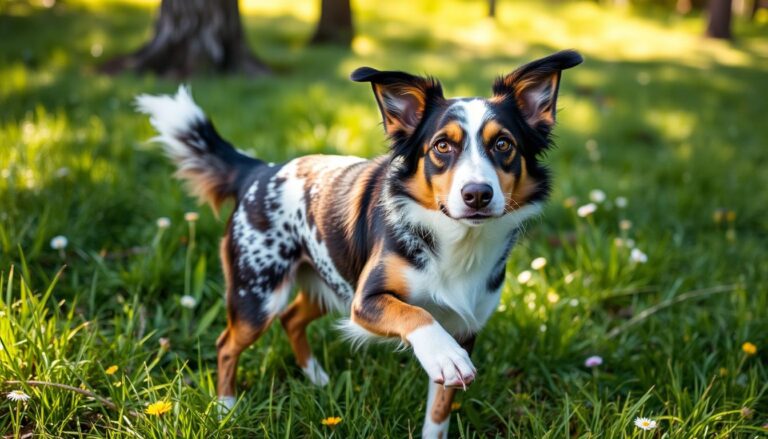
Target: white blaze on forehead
x,y
474,165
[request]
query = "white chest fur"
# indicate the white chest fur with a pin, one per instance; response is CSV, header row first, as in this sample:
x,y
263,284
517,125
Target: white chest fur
x,y
454,283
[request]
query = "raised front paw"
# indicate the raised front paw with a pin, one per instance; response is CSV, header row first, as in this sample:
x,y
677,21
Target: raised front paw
x,y
441,356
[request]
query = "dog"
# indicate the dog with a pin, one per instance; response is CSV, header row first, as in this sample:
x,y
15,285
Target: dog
x,y
412,245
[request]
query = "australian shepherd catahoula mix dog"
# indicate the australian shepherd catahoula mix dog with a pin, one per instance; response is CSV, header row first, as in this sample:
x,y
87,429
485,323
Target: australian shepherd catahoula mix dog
x,y
411,245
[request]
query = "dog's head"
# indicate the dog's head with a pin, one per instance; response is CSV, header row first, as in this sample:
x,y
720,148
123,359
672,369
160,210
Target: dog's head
x,y
471,158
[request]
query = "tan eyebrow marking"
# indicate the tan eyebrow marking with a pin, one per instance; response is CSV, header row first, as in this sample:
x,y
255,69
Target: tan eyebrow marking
x,y
451,131
493,129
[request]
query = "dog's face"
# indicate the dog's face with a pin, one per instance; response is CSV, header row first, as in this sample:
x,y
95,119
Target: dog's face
x,y
473,159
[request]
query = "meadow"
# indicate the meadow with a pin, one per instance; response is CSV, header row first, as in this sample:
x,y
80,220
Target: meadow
x,y
664,275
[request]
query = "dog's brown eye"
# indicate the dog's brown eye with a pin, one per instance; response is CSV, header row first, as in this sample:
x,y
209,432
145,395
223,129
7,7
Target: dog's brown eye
x,y
443,147
503,144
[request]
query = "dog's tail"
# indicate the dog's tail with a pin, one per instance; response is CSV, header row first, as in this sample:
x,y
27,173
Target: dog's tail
x,y
212,168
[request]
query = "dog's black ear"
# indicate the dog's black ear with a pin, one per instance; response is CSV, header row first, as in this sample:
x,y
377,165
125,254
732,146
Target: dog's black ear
x,y
402,98
534,86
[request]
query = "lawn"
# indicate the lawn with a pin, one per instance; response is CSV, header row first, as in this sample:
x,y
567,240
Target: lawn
x,y
670,123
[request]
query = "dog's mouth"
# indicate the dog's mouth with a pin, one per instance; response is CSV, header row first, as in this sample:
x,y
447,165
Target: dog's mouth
x,y
476,217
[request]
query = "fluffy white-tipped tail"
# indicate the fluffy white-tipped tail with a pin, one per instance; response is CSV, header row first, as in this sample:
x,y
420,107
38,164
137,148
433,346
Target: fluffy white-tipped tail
x,y
171,115
212,168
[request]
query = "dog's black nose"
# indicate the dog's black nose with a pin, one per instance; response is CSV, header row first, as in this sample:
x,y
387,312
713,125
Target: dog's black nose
x,y
477,195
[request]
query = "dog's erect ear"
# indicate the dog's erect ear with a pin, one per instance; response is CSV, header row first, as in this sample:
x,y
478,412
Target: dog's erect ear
x,y
402,98
534,86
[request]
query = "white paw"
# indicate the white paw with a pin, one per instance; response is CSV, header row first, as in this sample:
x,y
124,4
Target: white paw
x,y
431,430
225,405
314,371
442,358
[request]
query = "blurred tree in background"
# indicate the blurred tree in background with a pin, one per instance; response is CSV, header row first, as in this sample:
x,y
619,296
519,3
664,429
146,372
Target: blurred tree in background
x,y
335,24
719,19
192,36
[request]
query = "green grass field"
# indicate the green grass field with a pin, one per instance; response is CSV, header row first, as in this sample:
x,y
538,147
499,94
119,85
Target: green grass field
x,y
673,123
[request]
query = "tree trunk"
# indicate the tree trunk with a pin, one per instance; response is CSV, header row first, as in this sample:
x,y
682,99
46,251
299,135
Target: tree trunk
x,y
335,24
193,36
492,8
719,19
755,6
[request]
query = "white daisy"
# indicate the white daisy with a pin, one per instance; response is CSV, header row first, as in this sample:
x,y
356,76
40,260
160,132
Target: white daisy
x,y
638,256
645,423
163,222
188,301
191,216
625,224
59,242
597,196
621,202
524,277
62,172
18,395
586,210
538,263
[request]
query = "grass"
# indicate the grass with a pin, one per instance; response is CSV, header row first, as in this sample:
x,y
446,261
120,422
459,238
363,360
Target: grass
x,y
672,122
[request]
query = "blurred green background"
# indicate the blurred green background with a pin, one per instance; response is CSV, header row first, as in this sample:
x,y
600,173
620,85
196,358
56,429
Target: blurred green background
x,y
658,114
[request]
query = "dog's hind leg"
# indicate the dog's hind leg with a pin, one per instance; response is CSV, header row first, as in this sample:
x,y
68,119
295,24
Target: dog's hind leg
x,y
231,343
295,319
251,308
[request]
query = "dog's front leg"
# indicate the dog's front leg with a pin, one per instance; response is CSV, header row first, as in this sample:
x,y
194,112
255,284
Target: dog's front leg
x,y
379,307
439,404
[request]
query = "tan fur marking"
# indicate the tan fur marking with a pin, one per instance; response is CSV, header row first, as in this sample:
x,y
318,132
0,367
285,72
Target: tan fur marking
x,y
231,343
492,130
430,193
540,114
295,319
451,131
395,268
441,406
355,208
391,123
226,264
516,190
420,189
395,317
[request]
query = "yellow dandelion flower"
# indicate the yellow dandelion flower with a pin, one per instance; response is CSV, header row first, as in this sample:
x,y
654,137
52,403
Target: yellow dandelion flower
x,y
158,408
455,406
111,370
749,348
331,421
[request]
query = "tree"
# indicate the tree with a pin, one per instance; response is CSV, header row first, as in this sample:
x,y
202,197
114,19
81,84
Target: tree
x,y
492,8
192,36
335,24
719,19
